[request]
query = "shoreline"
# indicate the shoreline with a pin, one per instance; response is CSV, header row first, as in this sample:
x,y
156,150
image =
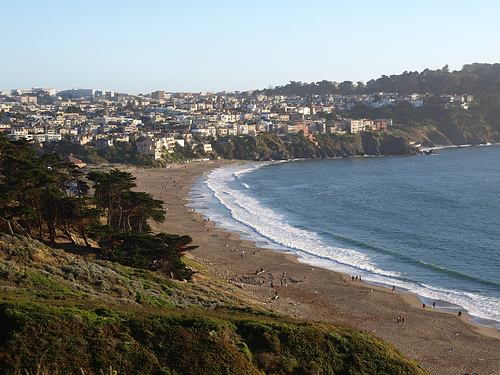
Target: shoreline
x,y
438,340
437,302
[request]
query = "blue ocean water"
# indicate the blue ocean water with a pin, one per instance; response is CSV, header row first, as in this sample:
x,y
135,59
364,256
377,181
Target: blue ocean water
x,y
428,224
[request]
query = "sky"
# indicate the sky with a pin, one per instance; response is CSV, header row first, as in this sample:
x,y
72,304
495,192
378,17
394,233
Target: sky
x,y
201,45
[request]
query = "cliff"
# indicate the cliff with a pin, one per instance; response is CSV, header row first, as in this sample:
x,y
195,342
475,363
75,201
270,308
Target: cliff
x,y
273,147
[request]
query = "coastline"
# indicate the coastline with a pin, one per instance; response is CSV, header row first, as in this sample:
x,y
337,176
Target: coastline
x,y
438,340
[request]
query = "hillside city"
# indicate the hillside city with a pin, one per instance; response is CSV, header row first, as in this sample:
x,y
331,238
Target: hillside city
x,y
159,121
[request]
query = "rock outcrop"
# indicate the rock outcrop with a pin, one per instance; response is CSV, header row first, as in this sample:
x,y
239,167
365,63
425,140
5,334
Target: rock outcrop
x,y
273,147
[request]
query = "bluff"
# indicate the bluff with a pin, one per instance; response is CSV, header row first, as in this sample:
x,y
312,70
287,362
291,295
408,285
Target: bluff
x,y
291,146
63,314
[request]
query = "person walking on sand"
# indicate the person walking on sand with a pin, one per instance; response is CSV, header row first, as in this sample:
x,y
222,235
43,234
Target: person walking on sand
x,y
459,314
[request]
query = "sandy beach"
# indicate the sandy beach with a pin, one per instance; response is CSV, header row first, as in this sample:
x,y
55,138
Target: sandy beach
x,y
440,342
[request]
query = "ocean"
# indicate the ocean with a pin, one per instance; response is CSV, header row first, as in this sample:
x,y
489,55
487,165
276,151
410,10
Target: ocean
x,y
426,224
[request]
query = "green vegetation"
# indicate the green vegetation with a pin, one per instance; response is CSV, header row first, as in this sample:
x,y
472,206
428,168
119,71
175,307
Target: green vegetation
x,y
120,152
127,305
46,195
435,124
270,146
96,315
438,122
476,79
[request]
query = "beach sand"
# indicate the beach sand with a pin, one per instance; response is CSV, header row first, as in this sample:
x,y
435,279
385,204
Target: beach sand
x,y
441,342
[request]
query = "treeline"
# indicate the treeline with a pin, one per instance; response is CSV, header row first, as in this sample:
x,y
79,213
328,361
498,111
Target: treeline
x,y
480,80
44,197
120,152
475,79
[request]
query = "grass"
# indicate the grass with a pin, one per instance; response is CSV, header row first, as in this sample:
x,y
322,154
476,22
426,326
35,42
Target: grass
x,y
60,320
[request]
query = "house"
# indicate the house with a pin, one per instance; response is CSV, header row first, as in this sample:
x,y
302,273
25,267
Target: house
x,y
104,143
75,161
148,146
354,126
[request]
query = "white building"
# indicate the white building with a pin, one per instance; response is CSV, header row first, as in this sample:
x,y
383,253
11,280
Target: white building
x,y
86,93
355,126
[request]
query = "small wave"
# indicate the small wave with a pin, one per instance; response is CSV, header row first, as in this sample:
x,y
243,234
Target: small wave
x,y
409,260
241,212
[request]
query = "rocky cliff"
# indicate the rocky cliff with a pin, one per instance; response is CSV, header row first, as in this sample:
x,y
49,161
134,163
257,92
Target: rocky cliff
x,y
274,147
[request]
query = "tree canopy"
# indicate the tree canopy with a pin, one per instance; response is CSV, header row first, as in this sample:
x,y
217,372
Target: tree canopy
x,y
47,197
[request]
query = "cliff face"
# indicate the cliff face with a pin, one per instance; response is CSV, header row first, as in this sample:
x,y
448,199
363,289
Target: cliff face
x,y
451,131
456,135
271,147
387,145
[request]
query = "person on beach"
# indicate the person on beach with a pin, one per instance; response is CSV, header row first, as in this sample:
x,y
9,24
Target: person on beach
x,y
393,288
459,314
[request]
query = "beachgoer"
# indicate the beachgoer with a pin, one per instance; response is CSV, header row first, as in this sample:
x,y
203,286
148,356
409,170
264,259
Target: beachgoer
x,y
393,288
459,314
434,304
423,305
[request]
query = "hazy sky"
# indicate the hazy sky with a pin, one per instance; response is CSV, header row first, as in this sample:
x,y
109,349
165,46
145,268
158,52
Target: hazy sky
x,y
194,45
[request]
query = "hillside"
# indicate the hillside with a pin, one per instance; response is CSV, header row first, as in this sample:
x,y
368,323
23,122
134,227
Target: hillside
x,y
436,123
66,313
271,147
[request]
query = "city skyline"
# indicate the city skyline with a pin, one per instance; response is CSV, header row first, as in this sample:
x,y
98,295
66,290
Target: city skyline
x,y
225,46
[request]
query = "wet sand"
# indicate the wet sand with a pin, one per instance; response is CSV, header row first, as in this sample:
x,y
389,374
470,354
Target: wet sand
x,y
440,342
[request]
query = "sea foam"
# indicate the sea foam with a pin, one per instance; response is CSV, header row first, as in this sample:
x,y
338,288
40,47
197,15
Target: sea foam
x,y
228,201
